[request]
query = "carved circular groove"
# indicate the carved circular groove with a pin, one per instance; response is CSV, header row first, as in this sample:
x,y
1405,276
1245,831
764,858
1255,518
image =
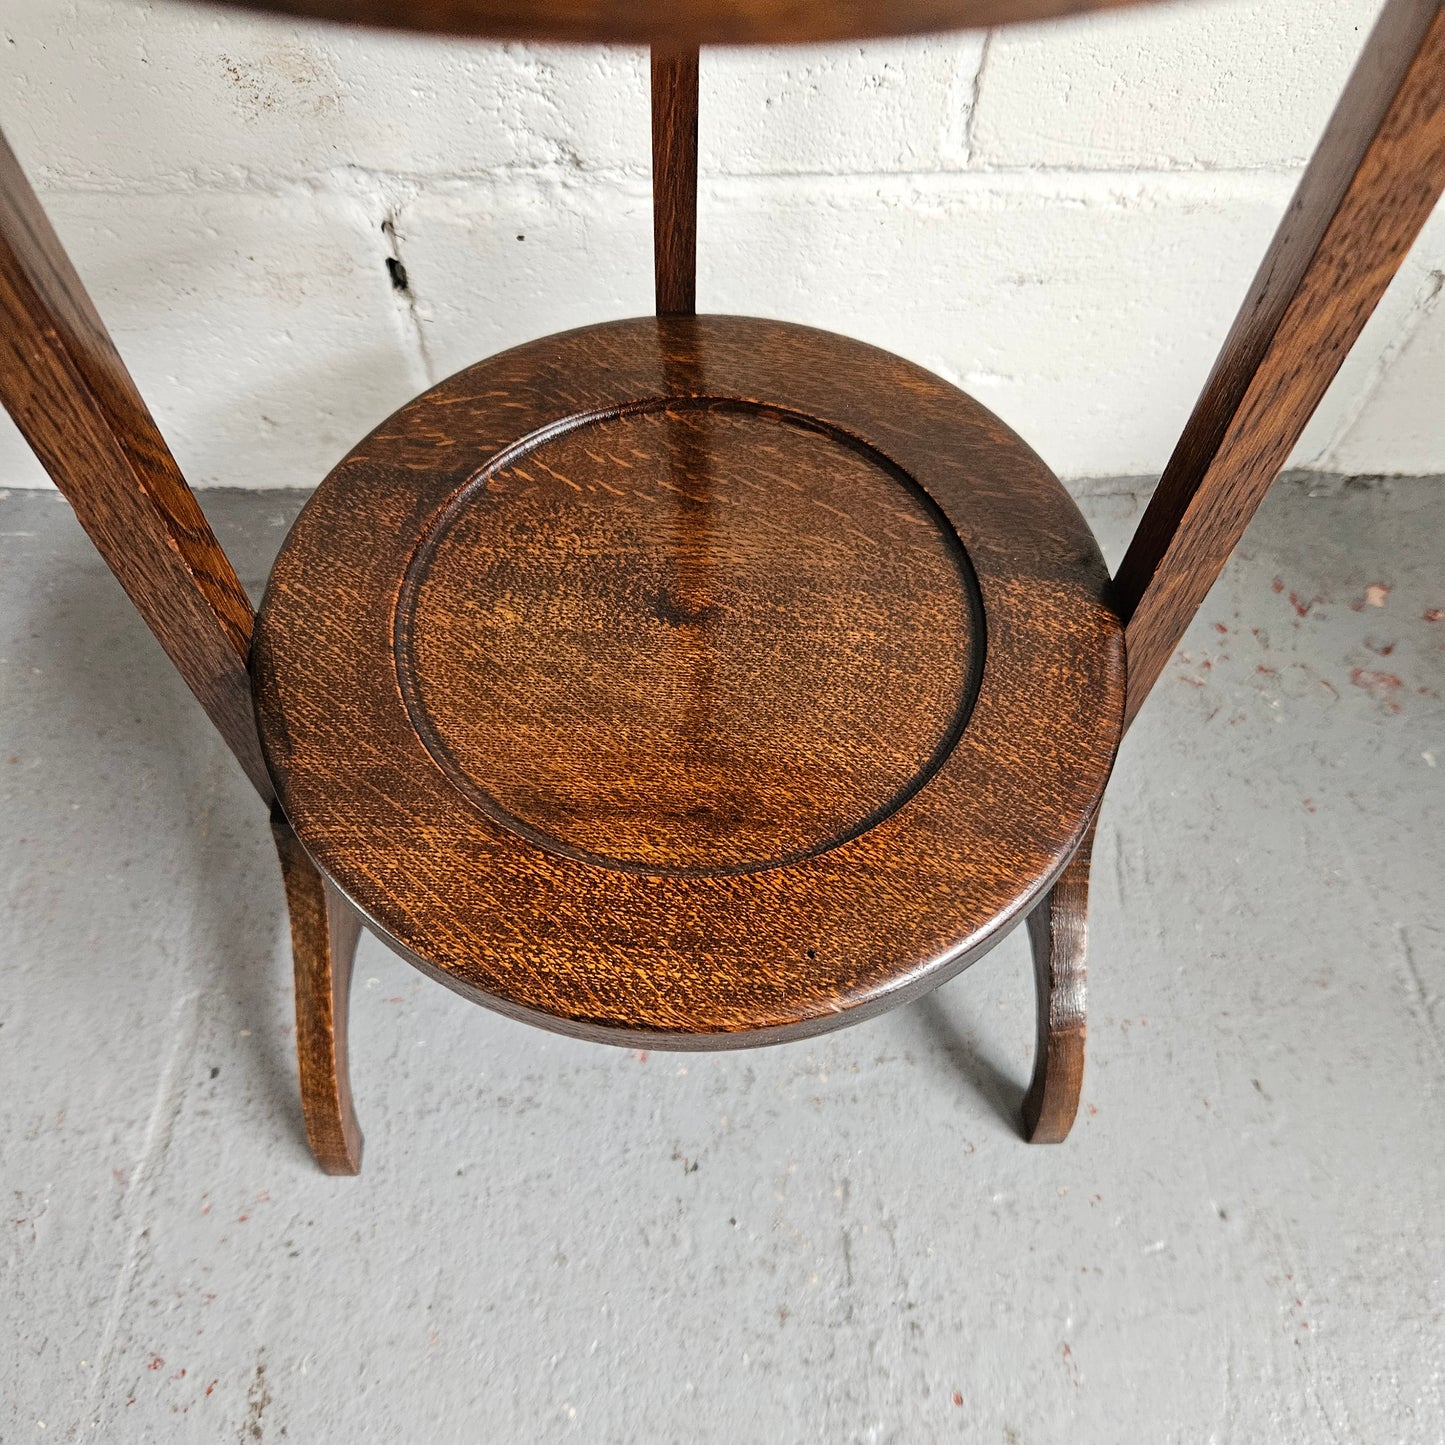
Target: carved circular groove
x,y
699,637
517,562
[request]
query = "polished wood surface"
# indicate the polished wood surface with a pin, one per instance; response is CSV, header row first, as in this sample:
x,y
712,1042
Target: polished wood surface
x,y
1373,181
63,382
706,681
684,22
674,180
1058,937
699,681
650,643
324,933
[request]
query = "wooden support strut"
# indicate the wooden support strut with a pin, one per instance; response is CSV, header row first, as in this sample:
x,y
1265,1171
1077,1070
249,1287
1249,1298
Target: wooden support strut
x,y
1058,938
325,930
1374,179
674,180
64,383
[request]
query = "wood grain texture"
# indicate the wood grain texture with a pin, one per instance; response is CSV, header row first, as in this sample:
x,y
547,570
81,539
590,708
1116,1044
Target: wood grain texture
x,y
1370,186
621,638
1058,937
629,681
695,22
64,383
674,180
324,934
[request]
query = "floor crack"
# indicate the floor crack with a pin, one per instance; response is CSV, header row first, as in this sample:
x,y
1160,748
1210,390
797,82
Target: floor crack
x,y
1419,1000
185,1031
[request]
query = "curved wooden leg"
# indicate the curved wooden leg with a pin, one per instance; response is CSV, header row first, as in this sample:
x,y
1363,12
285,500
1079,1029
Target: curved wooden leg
x,y
324,933
1058,933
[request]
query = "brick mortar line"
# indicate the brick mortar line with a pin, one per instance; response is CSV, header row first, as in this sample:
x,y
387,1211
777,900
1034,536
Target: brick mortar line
x,y
344,180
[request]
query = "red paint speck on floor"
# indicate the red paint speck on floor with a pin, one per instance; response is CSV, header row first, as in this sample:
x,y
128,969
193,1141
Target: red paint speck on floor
x,y
1380,685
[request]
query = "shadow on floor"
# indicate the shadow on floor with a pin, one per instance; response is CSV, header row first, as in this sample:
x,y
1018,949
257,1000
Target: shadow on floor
x,y
972,1060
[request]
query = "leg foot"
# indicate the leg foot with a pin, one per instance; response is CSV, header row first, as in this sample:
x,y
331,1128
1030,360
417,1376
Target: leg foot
x,y
324,933
1058,933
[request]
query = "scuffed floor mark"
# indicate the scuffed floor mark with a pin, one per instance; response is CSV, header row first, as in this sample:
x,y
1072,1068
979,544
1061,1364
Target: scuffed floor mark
x,y
258,1397
185,1030
1120,869
1424,1006
1303,1354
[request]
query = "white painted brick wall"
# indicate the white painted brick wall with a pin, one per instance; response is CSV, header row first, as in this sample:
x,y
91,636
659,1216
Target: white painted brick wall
x,y
1061,218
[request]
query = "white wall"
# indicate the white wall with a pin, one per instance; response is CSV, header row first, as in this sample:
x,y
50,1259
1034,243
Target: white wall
x,y
1061,219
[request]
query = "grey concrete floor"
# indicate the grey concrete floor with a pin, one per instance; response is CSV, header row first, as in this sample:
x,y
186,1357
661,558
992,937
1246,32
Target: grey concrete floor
x,y
836,1241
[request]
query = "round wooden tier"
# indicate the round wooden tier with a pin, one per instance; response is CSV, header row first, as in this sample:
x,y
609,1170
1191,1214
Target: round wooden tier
x,y
690,681
685,22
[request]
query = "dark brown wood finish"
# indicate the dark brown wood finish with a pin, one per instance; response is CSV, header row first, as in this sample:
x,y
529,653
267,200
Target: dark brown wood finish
x,y
64,383
610,600
324,933
674,180
1058,936
1371,185
704,681
681,23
